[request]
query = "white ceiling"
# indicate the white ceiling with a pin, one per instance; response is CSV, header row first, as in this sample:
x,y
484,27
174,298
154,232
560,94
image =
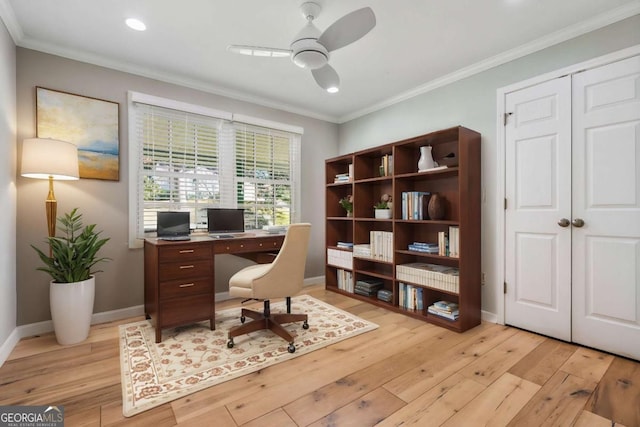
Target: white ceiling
x,y
416,45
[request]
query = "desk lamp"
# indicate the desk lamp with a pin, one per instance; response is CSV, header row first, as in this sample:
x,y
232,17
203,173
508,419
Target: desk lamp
x,y
46,158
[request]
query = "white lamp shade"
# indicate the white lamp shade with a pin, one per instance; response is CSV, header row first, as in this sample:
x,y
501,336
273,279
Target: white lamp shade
x,y
45,157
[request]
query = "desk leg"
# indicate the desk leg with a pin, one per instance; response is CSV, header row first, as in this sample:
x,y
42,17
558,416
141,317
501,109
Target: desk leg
x,y
158,335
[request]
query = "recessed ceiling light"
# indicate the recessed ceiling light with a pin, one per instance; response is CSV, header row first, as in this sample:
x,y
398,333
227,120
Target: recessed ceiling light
x,y
333,89
136,24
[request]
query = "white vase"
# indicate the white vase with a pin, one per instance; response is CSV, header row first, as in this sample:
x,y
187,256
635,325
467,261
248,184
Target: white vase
x,y
426,159
71,309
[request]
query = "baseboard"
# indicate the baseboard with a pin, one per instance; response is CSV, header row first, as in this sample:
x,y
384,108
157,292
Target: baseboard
x,y
8,345
487,316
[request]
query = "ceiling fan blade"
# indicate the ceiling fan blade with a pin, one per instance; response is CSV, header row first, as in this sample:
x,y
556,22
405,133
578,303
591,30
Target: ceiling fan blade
x,y
327,78
259,51
348,29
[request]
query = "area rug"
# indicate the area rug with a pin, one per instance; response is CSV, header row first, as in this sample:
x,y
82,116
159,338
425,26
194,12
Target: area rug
x,y
193,357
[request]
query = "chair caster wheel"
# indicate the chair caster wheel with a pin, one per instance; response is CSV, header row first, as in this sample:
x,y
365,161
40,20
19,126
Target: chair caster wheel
x,y
305,325
242,319
230,343
291,348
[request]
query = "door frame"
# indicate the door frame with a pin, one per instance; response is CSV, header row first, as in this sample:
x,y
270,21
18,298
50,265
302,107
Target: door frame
x,y
501,153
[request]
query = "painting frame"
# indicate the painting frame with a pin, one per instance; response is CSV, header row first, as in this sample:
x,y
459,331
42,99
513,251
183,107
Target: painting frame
x,y
92,124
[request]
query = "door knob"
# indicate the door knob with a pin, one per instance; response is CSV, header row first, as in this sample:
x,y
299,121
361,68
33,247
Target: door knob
x,y
578,222
564,222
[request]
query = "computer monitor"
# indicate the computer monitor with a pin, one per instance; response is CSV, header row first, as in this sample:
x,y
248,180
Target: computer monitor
x,y
173,224
221,220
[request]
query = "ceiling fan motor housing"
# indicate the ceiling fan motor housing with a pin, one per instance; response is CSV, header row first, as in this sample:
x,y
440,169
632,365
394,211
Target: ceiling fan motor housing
x,y
308,53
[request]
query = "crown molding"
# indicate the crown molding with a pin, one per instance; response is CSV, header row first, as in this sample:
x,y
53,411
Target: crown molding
x,y
10,21
557,37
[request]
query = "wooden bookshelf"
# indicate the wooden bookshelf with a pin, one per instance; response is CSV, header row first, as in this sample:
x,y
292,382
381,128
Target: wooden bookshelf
x,y
459,184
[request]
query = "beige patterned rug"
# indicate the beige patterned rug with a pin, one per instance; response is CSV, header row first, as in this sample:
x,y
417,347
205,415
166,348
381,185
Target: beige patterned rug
x,y
193,357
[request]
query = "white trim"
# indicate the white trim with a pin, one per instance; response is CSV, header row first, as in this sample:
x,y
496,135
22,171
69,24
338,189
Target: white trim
x,y
501,94
134,242
557,37
8,345
172,104
11,22
490,317
241,118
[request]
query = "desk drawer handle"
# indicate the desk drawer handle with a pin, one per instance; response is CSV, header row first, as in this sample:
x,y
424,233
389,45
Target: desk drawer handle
x,y
187,285
186,251
242,246
183,267
260,244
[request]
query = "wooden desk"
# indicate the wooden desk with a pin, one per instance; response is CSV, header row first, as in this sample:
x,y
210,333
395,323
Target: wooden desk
x,y
179,277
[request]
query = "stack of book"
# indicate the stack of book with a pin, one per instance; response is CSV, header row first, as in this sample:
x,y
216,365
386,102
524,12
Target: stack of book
x,y
346,245
368,287
362,250
429,248
431,275
448,310
340,258
342,177
385,295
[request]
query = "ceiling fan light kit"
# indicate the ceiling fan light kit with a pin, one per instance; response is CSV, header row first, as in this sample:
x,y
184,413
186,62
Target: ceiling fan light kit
x,y
311,48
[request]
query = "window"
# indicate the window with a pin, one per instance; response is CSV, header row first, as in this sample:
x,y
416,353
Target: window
x,y
189,158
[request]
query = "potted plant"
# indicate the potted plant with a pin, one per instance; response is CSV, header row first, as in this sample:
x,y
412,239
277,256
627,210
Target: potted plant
x,y
382,209
71,267
347,204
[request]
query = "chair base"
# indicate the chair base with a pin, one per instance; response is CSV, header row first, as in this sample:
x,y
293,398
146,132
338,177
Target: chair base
x,y
266,320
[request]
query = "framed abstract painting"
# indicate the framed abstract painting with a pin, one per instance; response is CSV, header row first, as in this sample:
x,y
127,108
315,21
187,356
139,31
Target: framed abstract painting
x,y
90,123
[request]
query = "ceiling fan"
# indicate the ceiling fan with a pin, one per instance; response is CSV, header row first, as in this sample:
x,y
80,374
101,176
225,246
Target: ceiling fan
x,y
311,47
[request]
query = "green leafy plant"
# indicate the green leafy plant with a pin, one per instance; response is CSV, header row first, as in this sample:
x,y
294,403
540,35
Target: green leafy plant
x,y
384,203
76,253
347,203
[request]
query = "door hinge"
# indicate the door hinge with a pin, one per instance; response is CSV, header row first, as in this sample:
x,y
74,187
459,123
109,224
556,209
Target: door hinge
x,y
506,118
505,287
505,203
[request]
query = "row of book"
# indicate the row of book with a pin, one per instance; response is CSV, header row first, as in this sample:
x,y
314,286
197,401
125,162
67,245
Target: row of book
x,y
414,205
431,275
410,297
449,242
345,177
338,258
380,247
386,165
448,310
345,280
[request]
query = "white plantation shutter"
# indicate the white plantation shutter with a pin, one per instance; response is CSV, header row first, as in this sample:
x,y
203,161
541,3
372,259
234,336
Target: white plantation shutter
x,y
185,157
266,161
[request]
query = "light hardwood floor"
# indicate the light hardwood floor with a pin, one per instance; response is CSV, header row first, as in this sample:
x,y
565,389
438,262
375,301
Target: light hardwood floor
x,y
406,372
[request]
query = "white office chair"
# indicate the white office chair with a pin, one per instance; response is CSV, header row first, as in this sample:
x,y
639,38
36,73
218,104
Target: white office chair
x,y
280,279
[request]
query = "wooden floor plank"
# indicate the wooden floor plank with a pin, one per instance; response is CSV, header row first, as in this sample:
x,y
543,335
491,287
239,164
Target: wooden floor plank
x,y
558,403
276,418
617,397
496,405
368,410
541,363
589,419
588,364
218,417
436,405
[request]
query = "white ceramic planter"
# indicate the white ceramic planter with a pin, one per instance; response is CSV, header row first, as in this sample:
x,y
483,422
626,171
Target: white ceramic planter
x,y
382,213
71,310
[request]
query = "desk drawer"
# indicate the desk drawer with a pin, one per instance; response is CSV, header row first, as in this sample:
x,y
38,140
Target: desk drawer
x,y
186,310
184,288
185,269
249,245
178,252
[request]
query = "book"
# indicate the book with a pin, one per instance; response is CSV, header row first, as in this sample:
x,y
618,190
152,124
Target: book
x,y
446,306
434,311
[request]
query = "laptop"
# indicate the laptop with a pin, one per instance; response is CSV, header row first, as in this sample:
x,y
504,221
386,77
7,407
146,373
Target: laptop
x,y
173,226
224,223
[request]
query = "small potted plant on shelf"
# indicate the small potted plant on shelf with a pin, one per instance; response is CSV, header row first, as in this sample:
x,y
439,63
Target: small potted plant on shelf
x,y
71,267
347,204
382,209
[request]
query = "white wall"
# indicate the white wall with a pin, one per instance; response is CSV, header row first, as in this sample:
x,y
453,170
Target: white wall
x,y
7,190
472,103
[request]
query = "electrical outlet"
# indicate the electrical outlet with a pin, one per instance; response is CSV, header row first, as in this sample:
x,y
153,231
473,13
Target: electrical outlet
x,y
482,278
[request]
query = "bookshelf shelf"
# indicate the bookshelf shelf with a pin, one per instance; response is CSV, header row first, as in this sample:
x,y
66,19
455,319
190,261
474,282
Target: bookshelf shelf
x,y
392,169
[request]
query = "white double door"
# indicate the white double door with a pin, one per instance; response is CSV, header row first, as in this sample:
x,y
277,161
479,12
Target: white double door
x,y
572,219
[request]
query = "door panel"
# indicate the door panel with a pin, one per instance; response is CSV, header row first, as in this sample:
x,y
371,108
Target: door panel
x,y
606,195
538,192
